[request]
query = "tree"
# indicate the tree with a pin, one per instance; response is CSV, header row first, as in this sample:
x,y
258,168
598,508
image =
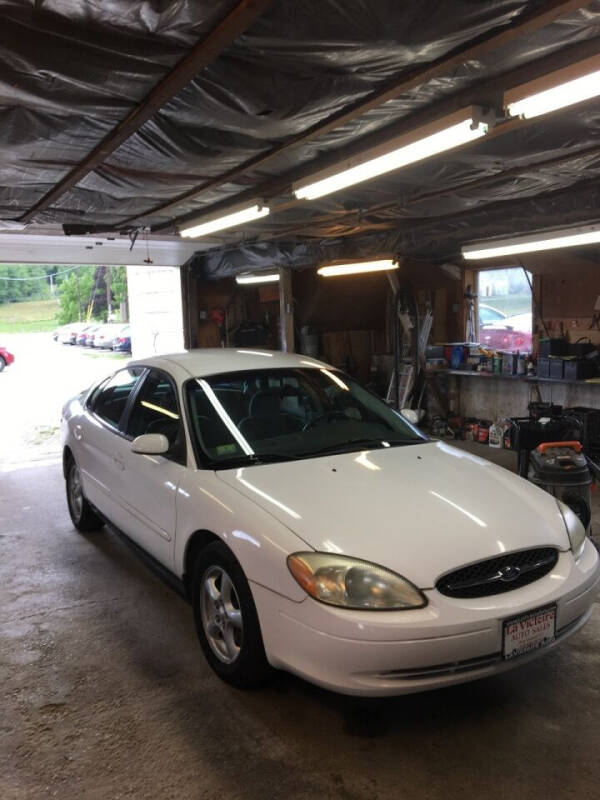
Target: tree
x,y
82,293
74,294
27,282
118,283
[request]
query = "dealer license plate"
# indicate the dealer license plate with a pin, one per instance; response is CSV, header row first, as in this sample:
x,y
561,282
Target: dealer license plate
x,y
529,631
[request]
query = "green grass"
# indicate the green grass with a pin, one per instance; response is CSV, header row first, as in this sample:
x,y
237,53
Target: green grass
x,y
31,316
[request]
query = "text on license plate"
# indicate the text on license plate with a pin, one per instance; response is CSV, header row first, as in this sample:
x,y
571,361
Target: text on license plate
x,y
528,631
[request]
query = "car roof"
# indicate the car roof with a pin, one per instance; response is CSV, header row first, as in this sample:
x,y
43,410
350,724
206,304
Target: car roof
x,y
213,360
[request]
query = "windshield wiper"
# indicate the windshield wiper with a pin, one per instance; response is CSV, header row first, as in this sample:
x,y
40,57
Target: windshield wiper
x,y
369,444
251,460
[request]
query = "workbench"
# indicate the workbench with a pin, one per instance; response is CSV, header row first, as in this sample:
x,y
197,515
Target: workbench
x,y
489,395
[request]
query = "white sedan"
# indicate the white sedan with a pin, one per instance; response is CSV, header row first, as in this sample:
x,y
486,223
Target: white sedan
x,y
316,531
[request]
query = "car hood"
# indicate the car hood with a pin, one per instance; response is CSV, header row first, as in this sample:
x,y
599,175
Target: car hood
x,y
420,510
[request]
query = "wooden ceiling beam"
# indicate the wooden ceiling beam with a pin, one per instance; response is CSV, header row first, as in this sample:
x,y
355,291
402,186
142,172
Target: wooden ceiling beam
x,y
204,52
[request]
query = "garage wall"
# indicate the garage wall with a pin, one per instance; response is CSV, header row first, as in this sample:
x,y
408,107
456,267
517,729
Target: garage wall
x,y
492,398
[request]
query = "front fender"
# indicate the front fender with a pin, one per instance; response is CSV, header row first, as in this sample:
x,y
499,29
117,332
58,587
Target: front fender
x,y
260,542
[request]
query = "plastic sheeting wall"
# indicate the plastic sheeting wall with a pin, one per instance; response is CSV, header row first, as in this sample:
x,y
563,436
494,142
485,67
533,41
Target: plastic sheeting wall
x,y
70,71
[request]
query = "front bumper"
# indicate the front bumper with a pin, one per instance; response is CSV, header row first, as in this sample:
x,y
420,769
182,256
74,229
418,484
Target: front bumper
x,y
400,652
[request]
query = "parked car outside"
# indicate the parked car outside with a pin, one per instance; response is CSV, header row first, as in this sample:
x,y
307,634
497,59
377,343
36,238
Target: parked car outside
x,y
512,333
83,334
91,335
122,342
316,530
107,334
6,358
57,332
489,315
69,333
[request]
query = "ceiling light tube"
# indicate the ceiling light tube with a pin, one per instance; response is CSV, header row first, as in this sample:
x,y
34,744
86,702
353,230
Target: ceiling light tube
x,y
358,267
559,89
257,277
428,141
227,221
534,242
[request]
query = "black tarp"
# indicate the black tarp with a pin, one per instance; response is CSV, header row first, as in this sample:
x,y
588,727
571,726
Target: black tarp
x,y
70,70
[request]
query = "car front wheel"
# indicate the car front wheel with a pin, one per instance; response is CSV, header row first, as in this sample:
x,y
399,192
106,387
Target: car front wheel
x,y
226,619
83,516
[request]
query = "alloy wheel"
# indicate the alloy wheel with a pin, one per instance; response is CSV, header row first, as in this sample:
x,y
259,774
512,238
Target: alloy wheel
x,y
221,614
75,491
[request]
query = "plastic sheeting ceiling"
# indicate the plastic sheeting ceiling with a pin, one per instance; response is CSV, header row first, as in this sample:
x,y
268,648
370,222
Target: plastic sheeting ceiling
x,y
71,70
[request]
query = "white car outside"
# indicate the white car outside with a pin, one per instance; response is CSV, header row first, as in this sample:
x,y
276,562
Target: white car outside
x,y
316,531
68,333
105,335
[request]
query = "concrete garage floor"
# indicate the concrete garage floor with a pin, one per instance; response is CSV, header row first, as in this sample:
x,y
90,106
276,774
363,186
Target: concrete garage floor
x,y
105,694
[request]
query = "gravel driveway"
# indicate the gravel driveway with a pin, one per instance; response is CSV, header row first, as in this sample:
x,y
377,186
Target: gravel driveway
x,y
33,390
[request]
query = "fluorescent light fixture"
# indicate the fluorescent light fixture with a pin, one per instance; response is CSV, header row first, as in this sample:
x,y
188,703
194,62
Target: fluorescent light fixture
x,y
227,221
567,86
412,150
533,242
257,277
358,267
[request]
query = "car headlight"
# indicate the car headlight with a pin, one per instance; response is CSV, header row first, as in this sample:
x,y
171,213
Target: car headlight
x,y
353,583
575,529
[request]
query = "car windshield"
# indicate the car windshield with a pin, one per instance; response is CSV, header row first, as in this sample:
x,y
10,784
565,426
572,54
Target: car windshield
x,y
258,416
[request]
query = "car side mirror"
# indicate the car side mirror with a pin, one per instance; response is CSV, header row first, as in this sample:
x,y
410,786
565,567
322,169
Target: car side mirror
x,y
150,444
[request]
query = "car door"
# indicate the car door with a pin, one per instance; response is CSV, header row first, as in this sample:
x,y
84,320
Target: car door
x,y
149,484
97,433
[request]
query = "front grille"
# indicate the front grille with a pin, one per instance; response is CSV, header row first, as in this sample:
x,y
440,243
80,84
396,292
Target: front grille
x,y
497,575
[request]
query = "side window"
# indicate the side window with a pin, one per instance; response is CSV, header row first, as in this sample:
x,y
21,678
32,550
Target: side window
x,y
109,400
156,410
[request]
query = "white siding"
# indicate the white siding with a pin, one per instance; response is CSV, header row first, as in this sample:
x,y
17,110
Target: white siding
x,y
155,310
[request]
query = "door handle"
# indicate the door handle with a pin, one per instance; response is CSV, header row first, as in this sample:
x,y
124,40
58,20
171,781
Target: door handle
x,y
78,432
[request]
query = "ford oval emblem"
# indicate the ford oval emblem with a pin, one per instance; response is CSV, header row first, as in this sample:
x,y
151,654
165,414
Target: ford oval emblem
x,y
508,574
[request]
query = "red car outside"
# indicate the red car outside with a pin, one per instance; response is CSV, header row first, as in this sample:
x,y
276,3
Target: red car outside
x,y
6,358
511,333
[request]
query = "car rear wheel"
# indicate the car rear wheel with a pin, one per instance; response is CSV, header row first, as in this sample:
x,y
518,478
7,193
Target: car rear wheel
x,y
2,363
226,619
82,514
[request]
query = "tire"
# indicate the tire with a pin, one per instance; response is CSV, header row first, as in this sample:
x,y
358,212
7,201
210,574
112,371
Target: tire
x,y
83,516
226,620
2,363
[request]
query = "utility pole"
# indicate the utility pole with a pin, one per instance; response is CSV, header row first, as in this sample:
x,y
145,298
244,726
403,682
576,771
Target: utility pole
x,y
108,293
78,292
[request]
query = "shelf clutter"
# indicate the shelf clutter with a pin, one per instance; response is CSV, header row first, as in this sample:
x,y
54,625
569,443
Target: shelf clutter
x,y
557,360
